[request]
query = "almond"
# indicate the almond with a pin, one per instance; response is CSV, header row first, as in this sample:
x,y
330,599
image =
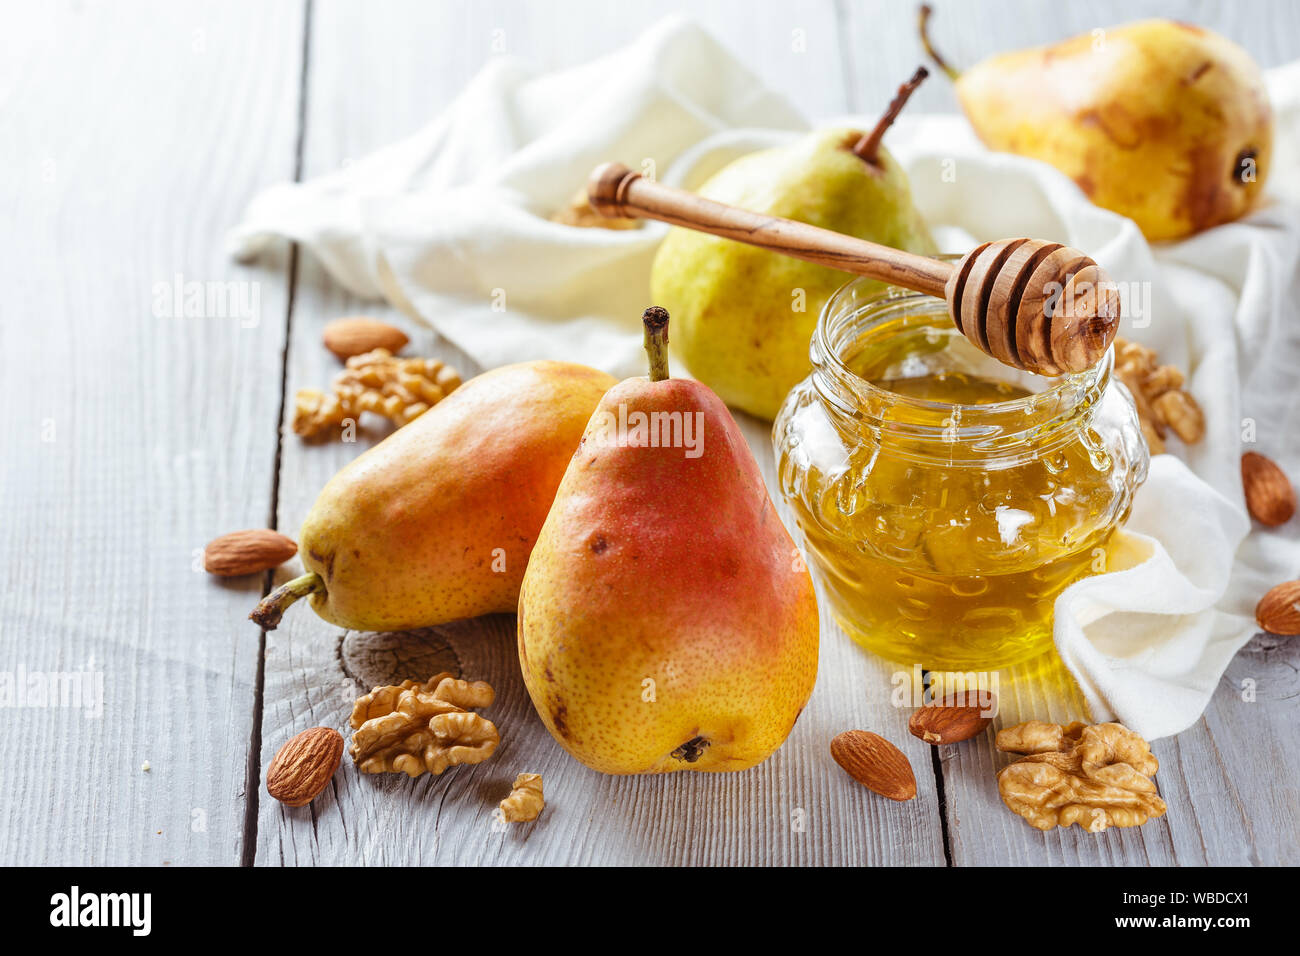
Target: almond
x,y
875,763
304,766
358,335
247,552
952,720
1278,611
1269,495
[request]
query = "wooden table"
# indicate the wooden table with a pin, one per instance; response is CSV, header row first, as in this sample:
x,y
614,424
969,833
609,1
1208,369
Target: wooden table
x,y
134,135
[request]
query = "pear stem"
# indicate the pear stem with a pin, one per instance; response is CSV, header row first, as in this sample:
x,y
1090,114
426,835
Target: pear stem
x,y
272,607
655,320
868,147
953,73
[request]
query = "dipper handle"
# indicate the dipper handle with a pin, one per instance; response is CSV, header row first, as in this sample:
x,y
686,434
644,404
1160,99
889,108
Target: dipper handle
x,y
1029,303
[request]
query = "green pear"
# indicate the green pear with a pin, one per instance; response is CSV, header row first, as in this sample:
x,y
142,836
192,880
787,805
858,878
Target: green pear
x,y
743,316
436,522
666,621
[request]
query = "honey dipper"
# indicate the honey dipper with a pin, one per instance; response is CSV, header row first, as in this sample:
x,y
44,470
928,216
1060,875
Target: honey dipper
x,y
1032,304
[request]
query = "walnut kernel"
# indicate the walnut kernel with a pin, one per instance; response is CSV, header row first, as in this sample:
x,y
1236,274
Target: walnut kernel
x,y
1098,776
1158,392
415,727
1037,737
525,801
399,389
1179,411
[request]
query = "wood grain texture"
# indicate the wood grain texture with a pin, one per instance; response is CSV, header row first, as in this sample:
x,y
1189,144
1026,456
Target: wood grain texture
x,y
1211,776
350,110
1215,815
983,832
843,824
133,136
163,434
798,807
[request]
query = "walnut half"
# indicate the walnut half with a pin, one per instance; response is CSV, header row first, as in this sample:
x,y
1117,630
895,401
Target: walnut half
x,y
1097,777
413,728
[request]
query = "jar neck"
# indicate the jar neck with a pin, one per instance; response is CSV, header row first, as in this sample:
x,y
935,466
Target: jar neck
x,y
911,334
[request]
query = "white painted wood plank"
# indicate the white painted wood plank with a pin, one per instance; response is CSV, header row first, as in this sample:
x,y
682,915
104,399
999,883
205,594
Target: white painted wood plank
x,y
391,65
376,73
797,807
1229,780
983,832
683,818
1219,813
100,522
1240,766
133,135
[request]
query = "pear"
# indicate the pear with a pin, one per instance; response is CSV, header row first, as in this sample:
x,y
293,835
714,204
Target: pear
x,y
743,316
436,522
1162,122
666,621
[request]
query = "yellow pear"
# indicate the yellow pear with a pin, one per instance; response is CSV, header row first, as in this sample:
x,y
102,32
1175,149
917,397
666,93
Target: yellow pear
x,y
1163,122
743,316
436,522
666,621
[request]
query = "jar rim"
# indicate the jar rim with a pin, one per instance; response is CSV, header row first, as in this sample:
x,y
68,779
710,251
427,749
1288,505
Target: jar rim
x,y
1069,389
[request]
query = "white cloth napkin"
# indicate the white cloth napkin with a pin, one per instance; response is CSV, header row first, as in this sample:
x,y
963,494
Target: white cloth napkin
x,y
451,226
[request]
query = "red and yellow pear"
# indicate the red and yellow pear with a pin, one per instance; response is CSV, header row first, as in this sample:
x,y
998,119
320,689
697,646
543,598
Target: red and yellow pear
x,y
666,621
436,522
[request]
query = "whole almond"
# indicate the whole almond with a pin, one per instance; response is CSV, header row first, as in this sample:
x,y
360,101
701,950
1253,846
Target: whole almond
x,y
875,763
1269,495
357,335
304,765
952,720
1278,611
247,552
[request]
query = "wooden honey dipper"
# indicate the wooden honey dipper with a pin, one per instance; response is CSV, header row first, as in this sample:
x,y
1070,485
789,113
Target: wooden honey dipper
x,y
1032,304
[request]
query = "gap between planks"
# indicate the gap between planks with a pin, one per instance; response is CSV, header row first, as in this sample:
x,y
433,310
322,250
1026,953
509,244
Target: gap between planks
x,y
253,774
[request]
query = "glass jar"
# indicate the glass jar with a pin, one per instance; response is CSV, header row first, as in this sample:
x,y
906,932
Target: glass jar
x,y
945,498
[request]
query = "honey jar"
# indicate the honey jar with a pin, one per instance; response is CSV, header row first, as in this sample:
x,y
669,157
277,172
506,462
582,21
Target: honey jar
x,y
945,499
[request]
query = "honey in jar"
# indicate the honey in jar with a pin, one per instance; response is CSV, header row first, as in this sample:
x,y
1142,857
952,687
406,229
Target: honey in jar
x,y
946,500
